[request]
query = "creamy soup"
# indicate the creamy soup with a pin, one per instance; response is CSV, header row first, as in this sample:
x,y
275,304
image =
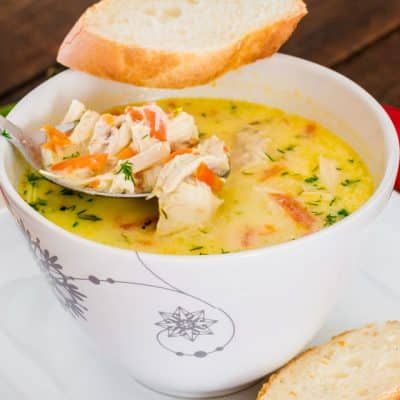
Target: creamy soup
x,y
289,177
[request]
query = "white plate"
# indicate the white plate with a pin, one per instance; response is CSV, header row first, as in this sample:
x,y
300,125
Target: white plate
x,y
44,355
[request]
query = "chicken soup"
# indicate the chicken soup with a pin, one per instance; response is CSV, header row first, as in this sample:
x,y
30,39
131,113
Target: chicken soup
x,y
221,176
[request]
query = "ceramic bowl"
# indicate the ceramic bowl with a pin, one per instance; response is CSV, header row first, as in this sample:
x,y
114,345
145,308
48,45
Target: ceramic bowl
x,y
200,326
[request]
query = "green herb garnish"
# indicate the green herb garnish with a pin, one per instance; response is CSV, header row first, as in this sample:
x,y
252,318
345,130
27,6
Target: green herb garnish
x,y
65,208
5,134
330,219
33,178
67,192
343,213
38,203
311,179
197,248
126,169
269,157
164,213
75,224
73,155
349,182
88,217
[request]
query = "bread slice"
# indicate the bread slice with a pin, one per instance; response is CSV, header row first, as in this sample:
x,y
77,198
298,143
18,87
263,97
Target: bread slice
x,y
176,43
363,364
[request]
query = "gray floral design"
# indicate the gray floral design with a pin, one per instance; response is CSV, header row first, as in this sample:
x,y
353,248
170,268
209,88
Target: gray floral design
x,y
189,325
66,292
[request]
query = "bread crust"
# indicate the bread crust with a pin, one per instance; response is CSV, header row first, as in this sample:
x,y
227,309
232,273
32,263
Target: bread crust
x,y
88,52
392,395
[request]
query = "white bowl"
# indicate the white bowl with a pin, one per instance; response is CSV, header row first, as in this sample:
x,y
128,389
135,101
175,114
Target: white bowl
x,y
253,310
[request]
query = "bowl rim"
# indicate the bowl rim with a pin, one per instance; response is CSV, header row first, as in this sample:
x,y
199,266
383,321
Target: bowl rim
x,y
379,194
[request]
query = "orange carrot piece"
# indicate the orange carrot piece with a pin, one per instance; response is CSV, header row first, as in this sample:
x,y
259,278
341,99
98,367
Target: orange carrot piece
x,y
126,153
159,132
55,138
294,209
95,162
207,176
94,184
136,115
178,153
270,172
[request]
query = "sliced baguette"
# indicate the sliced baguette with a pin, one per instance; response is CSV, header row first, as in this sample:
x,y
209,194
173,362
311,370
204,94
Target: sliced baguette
x,y
176,43
363,364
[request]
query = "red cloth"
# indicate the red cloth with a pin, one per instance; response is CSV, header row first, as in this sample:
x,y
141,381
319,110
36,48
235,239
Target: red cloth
x,y
394,114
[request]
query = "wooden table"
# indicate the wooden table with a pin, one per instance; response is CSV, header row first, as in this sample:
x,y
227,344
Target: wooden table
x,y
359,38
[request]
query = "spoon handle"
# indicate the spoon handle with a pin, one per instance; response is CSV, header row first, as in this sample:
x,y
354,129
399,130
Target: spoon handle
x,y
28,147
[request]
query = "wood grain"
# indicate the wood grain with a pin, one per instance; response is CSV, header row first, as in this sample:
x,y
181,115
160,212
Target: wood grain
x,y
334,29
377,69
30,33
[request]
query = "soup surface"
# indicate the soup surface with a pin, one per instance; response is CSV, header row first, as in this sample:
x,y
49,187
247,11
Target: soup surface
x,y
290,177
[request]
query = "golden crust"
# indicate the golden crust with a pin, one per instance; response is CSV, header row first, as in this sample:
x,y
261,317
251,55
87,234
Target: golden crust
x,y
91,53
392,395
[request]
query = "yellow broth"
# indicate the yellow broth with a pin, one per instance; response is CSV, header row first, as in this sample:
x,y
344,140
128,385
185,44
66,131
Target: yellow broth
x,y
248,218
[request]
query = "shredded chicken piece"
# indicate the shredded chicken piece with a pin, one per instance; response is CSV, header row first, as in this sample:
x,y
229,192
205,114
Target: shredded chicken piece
x,y
191,205
329,174
249,149
75,112
182,131
84,129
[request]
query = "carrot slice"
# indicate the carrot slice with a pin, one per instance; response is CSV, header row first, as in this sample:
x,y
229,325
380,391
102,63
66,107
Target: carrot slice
x,y
94,184
270,172
135,114
207,176
159,132
95,162
178,153
294,209
55,138
126,153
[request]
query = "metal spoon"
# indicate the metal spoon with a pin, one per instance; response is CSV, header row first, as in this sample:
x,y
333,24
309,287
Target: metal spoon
x,y
29,146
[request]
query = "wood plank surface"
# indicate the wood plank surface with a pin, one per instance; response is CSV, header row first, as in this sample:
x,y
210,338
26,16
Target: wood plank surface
x,y
30,33
334,29
377,69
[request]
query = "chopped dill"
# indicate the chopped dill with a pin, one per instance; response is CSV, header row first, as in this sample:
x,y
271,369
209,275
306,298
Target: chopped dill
x,y
126,169
88,217
164,213
311,179
269,157
67,192
73,155
195,248
349,182
33,178
5,134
